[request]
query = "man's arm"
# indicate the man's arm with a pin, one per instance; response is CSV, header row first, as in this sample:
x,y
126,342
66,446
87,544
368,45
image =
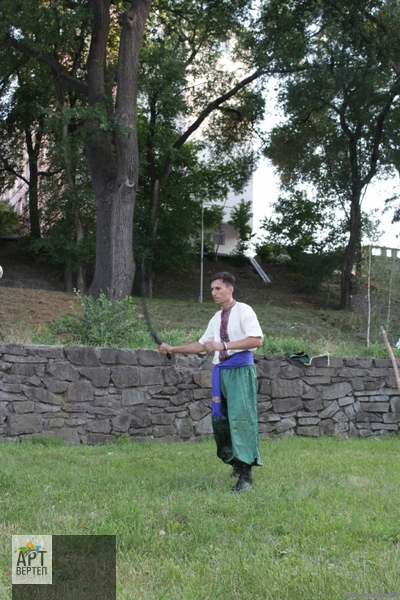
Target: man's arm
x,y
192,348
245,344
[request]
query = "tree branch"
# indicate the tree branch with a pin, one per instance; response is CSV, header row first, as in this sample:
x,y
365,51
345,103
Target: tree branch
x,y
202,117
60,71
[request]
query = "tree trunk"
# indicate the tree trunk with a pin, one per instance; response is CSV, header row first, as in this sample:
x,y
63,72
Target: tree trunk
x,y
346,287
115,181
33,195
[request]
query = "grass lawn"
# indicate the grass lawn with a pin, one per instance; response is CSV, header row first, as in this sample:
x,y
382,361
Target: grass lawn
x,y
323,521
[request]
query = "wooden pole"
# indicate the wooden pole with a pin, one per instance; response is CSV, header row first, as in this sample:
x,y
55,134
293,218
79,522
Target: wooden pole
x,y
394,363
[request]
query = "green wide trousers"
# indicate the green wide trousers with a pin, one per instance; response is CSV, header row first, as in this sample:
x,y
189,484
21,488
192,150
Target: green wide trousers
x,y
236,433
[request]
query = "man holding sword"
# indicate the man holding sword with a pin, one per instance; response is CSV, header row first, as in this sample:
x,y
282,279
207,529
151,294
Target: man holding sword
x,y
233,335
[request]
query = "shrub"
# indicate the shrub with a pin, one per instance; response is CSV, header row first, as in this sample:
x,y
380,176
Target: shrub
x,y
102,322
9,219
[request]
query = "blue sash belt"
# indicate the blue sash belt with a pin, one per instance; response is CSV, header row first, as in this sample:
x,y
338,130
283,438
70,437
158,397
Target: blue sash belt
x,y
238,359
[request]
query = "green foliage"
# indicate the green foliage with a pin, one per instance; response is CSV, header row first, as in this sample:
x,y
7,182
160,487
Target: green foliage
x,y
102,322
8,218
240,217
315,269
267,250
306,224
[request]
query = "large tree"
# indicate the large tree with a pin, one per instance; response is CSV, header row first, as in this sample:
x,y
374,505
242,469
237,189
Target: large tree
x,y
337,106
108,82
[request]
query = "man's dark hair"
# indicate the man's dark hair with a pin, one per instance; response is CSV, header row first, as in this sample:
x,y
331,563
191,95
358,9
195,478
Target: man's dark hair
x,y
226,277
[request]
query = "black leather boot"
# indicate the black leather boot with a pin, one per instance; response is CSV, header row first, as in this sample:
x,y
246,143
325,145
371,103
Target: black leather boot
x,y
245,480
235,470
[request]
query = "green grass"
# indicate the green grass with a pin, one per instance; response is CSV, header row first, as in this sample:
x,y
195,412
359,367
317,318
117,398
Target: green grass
x,y
321,523
286,329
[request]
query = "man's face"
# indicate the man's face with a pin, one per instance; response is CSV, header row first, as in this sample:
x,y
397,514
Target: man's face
x,y
221,292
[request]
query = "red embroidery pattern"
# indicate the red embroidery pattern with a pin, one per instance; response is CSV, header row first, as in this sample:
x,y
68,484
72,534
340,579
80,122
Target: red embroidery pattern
x,y
223,331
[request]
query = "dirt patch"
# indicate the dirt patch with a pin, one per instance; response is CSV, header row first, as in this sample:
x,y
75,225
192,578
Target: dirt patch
x,y
30,293
285,288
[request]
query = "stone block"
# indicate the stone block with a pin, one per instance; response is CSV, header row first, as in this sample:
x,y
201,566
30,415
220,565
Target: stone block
x,y
364,417
85,356
125,376
162,418
336,391
160,431
330,410
264,406
92,439
391,418
313,405
141,417
287,405
327,427
184,428
113,402
198,410
384,426
282,388
41,407
23,424
363,363
101,426
341,427
308,392
134,397
151,376
202,379
54,423
80,391
102,410
28,370
203,427
267,428
54,352
117,356
23,407
99,376
353,431
172,376
264,387
12,388
311,430
57,387
346,401
374,397
35,360
201,394
340,417
18,349
184,397
377,407
350,412
268,368
308,420
373,384
291,372
3,414
395,404
364,432
77,407
150,358
285,424
121,423
62,371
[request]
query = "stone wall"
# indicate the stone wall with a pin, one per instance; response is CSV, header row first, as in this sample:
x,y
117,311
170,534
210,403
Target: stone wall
x,y
93,395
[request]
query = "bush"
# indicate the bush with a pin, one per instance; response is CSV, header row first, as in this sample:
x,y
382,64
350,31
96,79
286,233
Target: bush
x,y
9,219
315,269
102,323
